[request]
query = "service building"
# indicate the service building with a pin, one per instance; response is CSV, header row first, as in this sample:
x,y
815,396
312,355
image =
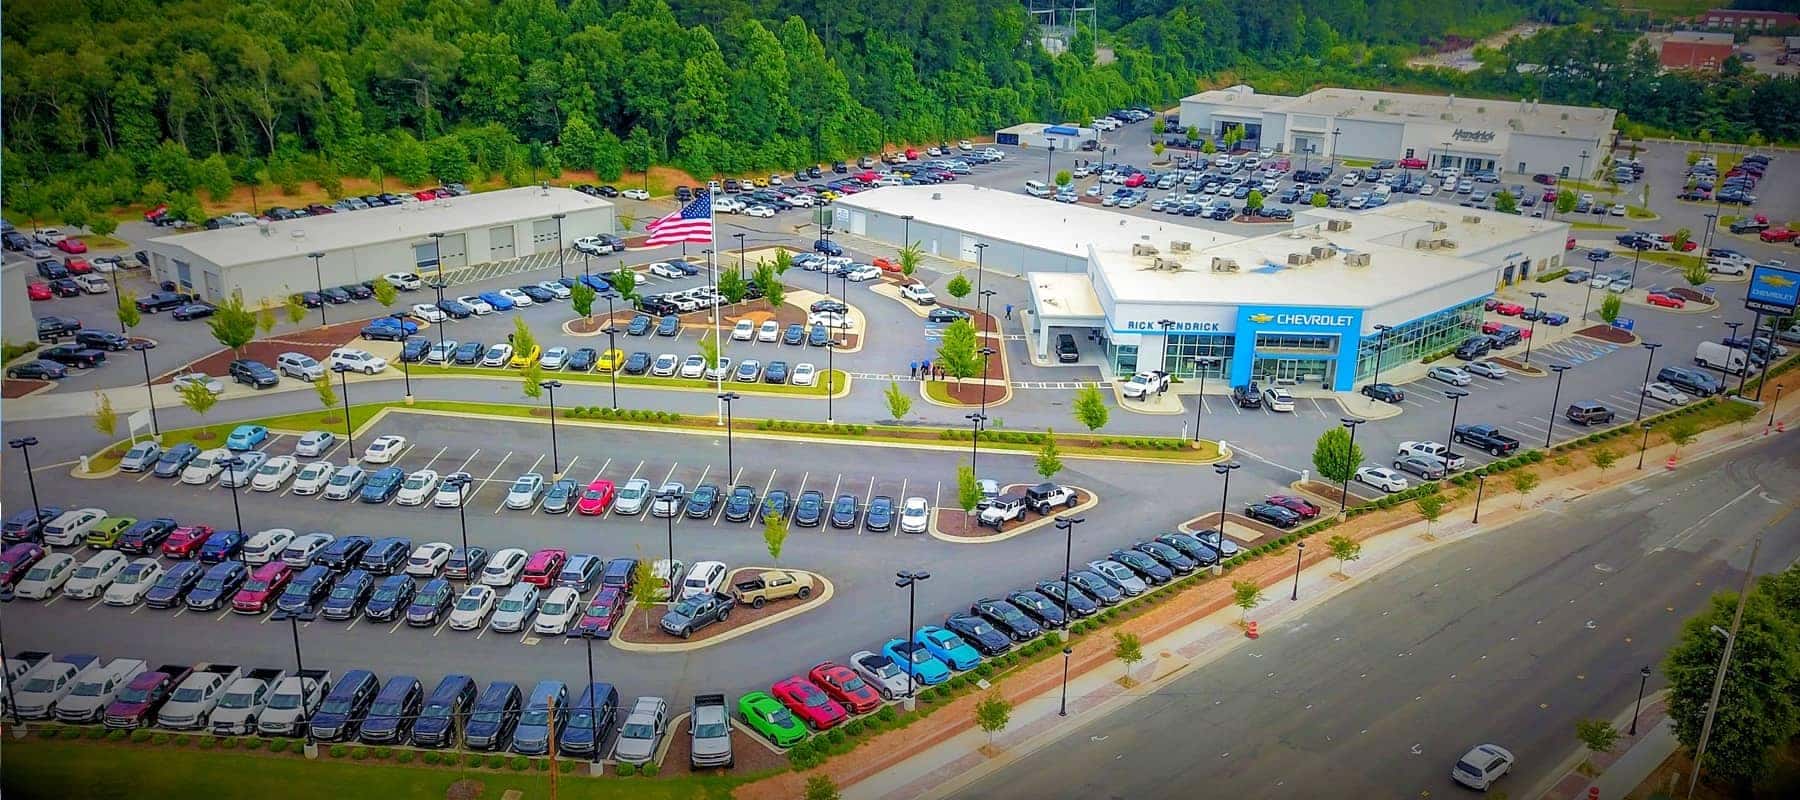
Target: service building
x,y
268,261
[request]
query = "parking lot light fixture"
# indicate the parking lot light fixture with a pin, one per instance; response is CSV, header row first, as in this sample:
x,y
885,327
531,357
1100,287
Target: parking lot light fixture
x,y
559,216
144,349
1712,221
555,460
1344,495
349,432
1649,362
1772,404
462,517
1066,524
1380,347
909,579
980,269
294,629
1637,255
319,275
1724,372
1536,298
1555,397
831,347
1335,133
612,375
740,238
1224,471
1456,396
905,230
1201,365
23,444
593,717
1644,443
1480,486
1595,258
1299,553
987,301
726,398
232,465
1638,709
674,498
987,353
976,420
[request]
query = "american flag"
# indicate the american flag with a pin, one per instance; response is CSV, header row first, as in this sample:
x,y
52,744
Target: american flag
x,y
693,223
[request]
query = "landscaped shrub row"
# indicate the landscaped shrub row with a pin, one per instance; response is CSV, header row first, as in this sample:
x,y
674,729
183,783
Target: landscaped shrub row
x,y
628,414
810,427
1031,437
1526,458
814,750
1552,276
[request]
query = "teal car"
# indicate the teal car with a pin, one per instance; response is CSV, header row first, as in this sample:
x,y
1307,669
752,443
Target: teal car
x,y
915,659
948,647
771,719
246,437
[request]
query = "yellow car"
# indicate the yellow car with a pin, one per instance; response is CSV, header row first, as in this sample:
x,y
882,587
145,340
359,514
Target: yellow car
x,y
521,359
609,360
105,533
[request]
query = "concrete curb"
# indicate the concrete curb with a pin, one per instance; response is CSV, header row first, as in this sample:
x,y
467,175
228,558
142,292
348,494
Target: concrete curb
x,y
823,597
932,528
1158,407
926,395
1376,409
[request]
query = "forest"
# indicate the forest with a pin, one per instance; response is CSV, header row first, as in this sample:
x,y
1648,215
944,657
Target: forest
x,y
108,103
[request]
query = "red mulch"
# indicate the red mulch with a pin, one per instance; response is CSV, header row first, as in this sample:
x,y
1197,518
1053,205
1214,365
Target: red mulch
x,y
1333,491
971,394
635,629
336,334
747,751
963,525
1517,365
1692,296
14,388
1607,333
1247,219
264,350
1239,522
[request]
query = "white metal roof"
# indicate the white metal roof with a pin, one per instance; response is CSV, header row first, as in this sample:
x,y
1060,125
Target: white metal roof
x,y
1585,122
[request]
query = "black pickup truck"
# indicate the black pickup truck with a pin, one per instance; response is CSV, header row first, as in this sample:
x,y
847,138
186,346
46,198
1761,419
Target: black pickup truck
x,y
1486,437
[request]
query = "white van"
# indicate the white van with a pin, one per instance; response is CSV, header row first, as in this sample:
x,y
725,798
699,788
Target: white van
x,y
1718,356
1037,189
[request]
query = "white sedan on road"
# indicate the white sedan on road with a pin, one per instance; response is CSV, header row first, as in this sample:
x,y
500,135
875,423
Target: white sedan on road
x,y
313,444
1450,375
418,488
205,467
384,449
273,473
428,312
635,194
805,374
759,210
555,289
663,269
693,366
525,491
1382,478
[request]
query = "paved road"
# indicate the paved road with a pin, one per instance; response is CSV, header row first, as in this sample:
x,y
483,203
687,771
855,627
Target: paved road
x,y
1507,638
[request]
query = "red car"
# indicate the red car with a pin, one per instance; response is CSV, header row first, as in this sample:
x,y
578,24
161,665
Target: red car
x,y
809,703
1508,309
541,568
77,266
1137,179
1777,235
154,214
1688,246
72,246
1665,300
1570,244
37,291
16,561
846,687
886,265
185,542
264,585
1298,505
597,498
1549,195
1412,163
601,612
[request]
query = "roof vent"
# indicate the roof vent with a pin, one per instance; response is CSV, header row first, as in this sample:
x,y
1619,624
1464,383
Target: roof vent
x,y
1170,264
1337,225
263,226
1221,264
1438,225
1179,246
1143,249
297,233
1298,259
1356,259
1471,219
1320,252
937,195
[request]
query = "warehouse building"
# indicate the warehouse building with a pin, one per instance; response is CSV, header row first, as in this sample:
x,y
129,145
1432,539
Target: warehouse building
x,y
1509,136
271,260
1041,135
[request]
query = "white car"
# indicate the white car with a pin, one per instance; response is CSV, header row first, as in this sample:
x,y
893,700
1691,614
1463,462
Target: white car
x,y
452,489
267,545
559,609
46,577
384,449
95,575
472,608
504,567
519,298
428,312
49,236
663,269
130,587
428,559
915,514
273,473
70,528
477,306
498,355
300,552
1487,369
1483,765
1450,375
720,369
632,497
964,144
759,210
418,488
1382,478
205,467
355,360
805,374
705,578
555,289
664,366
830,319
404,281
918,293
241,472
1428,190
1665,393
881,672
441,352
635,194
744,330
299,365
211,383
693,366
1278,399
525,491
313,444
514,608
345,482
312,477
554,358
770,331
863,272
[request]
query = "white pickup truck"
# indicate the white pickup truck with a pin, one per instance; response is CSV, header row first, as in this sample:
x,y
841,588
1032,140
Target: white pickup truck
x,y
294,700
1145,384
244,700
1433,451
96,689
192,703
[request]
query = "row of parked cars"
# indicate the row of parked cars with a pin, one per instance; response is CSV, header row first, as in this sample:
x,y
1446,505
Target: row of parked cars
x,y
159,215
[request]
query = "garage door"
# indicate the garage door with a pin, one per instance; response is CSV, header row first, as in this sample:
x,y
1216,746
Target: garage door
x,y
455,250
969,251
500,243
211,281
858,222
543,235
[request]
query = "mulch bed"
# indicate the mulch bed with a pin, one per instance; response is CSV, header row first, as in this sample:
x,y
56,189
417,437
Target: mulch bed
x,y
749,753
1333,491
336,334
1239,524
1517,365
635,629
264,350
1692,296
13,388
963,525
971,394
1607,333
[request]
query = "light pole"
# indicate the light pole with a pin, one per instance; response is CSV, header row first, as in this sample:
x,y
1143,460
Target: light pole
x,y
1067,525
831,346
349,433
1456,396
1584,158
975,421
1649,361
232,463
980,268
1637,256
1594,257
612,351
10,701
1349,453
1480,486
24,444
294,628
558,216
144,349
1335,133
1771,355
593,718
1299,553
462,500
986,304
1772,405
1555,397
986,353
906,230
674,498
1644,443
1638,708
319,276
555,459
1536,297
740,238
1049,160
1380,346
1224,471
1712,220
438,284
909,579
1201,365
1724,372
726,398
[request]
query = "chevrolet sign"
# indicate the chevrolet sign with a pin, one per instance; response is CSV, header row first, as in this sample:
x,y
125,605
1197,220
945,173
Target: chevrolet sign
x,y
1179,327
1317,320
1262,318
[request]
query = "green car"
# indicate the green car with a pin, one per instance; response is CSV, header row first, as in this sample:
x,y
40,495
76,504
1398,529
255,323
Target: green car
x,y
105,533
771,719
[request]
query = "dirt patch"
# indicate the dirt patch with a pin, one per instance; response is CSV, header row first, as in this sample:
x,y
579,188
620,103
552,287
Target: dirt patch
x,y
1331,492
465,789
264,350
13,388
1607,333
749,754
963,525
1249,220
1692,296
647,628
336,334
1240,528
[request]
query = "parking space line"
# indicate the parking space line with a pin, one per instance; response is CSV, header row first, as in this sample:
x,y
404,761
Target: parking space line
x,y
96,603
634,472
602,471
735,479
223,613
770,484
467,461
835,484
868,497
496,469
440,454
702,480
670,474
397,624
353,622
570,467
937,494
337,444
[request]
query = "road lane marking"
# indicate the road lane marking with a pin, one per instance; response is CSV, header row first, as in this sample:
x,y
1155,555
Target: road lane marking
x,y
1678,538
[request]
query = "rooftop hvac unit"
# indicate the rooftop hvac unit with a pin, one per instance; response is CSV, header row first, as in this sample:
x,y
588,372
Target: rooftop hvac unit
x,y
1438,225
1179,246
1170,264
1447,244
297,233
1320,252
1143,249
1471,219
1428,244
263,225
1356,259
937,195
1221,264
1337,225
1297,259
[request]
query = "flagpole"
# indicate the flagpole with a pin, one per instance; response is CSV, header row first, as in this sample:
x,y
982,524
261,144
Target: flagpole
x,y
712,276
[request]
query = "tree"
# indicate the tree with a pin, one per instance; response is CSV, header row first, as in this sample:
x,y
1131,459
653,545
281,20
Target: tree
x,y
385,293
770,283
968,488
1604,458
1320,200
265,319
1597,735
198,399
957,350
1505,202
1681,432
233,324
1334,456
898,402
296,309
531,379
783,261
820,786
129,315
581,298
993,712
1344,549
1049,461
1063,177
1565,201
644,588
1246,595
1696,273
1157,148
732,287
1431,508
1208,147
775,532
106,420
1090,408
1158,126
522,339
102,225
1254,202
1129,649
1609,308
1679,241
1192,132
910,257
1523,482
323,389
1757,701
959,287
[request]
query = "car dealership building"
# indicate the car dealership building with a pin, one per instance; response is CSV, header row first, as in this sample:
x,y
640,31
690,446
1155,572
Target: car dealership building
x,y
1511,136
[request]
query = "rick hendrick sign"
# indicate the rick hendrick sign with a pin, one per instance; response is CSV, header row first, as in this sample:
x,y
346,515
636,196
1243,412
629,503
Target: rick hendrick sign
x,y
1773,290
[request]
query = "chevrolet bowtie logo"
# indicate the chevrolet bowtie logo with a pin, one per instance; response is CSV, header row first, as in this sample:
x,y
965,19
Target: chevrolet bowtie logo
x,y
1261,318
1775,280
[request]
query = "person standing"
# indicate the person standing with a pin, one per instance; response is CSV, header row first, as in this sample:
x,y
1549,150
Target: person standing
x,y
1009,310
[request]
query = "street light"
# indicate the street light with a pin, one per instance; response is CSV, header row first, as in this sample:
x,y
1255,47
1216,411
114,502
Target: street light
x,y
1643,681
13,704
1224,470
726,398
232,463
740,238
144,349
831,346
24,444
906,230
1066,524
558,216
1344,495
975,421
1772,405
1594,257
980,268
462,500
986,354
1724,373
437,254
1637,256
909,579
1712,220
1555,397
555,459
1644,443
1649,361
1480,486
343,372
1584,158
1456,396
593,717
1380,345
673,496
319,275
1536,297
1299,553
1201,365
1335,133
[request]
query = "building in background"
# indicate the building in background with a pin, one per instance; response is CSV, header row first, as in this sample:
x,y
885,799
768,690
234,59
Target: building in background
x,y
1744,19
1702,51
1042,135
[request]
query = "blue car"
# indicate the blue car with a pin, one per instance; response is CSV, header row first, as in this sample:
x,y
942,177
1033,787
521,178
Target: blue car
x,y
595,282
430,603
391,597
915,659
176,459
222,546
246,437
499,301
1553,318
342,711
740,504
386,329
454,309
496,712
669,325
303,594
880,514
947,647
413,351
391,716
827,248
348,595
640,325
468,353
386,556
590,717
381,486
445,708
220,582
532,736
174,585
343,552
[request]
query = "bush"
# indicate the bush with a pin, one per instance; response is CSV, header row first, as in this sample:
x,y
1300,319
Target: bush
x,y
140,735
207,742
406,756
887,714
567,767
359,753
431,757
228,743
495,761
67,733
278,745
540,765
650,770
856,727
627,770
339,751
835,737
95,733
255,744
520,764
384,752
117,736
157,737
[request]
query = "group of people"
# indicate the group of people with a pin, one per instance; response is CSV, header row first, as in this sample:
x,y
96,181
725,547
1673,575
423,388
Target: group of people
x,y
926,370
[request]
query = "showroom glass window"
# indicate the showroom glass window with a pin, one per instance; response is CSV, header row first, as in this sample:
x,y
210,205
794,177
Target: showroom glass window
x,y
1421,337
1183,349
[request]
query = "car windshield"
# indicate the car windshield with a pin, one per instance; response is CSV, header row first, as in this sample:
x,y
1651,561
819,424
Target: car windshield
x,y
388,592
312,473
553,609
417,482
133,695
271,468
212,584
256,585
632,492
344,591
335,705
535,716
510,604
523,485
638,730
235,700
87,572
387,708
186,694
284,701
469,602
342,478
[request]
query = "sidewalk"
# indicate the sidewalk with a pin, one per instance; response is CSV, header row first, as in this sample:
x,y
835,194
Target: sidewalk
x,y
1627,764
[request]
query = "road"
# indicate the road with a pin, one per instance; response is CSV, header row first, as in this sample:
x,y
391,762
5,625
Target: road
x,y
1507,638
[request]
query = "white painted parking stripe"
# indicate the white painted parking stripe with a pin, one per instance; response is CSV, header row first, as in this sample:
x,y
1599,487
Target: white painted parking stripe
x,y
602,471
770,484
670,475
397,624
570,467
440,454
466,461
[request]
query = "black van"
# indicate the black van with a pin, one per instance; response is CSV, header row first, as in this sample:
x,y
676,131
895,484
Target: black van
x,y
391,716
1065,349
496,714
1692,381
1474,347
1588,412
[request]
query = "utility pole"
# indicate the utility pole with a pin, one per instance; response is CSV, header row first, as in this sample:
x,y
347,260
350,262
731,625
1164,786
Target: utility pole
x,y
1712,705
